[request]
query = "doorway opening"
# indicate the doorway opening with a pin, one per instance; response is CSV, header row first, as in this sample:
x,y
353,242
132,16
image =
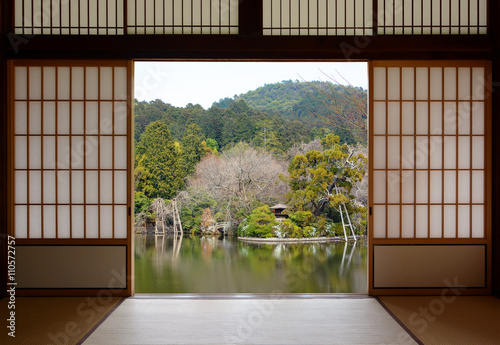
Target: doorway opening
x,y
250,177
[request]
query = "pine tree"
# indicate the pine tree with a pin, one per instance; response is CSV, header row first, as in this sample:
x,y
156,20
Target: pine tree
x,y
192,148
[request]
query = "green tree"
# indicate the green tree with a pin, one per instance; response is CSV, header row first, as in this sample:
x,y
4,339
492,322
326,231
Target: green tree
x,y
260,223
158,165
192,148
315,176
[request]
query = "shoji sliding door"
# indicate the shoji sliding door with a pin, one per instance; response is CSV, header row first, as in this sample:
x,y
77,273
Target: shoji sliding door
x,y
430,173
71,174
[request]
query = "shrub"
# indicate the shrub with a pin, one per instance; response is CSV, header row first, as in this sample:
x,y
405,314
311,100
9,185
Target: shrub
x,y
260,223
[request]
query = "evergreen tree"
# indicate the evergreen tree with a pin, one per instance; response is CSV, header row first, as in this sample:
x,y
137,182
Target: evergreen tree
x,y
192,148
158,169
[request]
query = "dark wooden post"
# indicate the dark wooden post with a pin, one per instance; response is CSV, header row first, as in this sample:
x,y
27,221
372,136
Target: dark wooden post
x,y
250,17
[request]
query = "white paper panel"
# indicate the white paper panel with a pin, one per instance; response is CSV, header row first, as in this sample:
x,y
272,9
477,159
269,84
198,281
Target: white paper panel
x,y
92,152
379,224
478,83
49,221
106,215
77,152
393,187
35,148
422,153
49,117
478,118
379,83
393,152
21,187
120,152
393,86
63,221
421,221
450,83
464,226
77,222
407,221
120,120
106,152
393,221
77,83
63,116
422,74
63,83
21,161
436,83
436,118
422,190
450,118
121,220
77,187
393,118
407,187
63,152
436,187
408,118
35,187
21,216
49,187
92,222
63,187
408,83
408,152
450,152
464,117
21,80
106,79
49,152
450,187
477,152
478,187
49,83
464,152
436,149
120,187
106,117
77,118
35,118
92,118
106,187
435,220
21,118
464,81
35,219
464,187
477,221
92,187
379,153
379,120
92,83
422,118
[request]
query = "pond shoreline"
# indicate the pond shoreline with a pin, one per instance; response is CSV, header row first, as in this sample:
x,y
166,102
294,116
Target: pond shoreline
x,y
275,240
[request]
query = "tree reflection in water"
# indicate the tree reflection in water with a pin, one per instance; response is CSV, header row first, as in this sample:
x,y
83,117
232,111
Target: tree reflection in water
x,y
168,264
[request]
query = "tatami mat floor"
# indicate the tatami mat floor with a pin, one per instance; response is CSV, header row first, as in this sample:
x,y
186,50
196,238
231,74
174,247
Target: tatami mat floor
x,y
255,320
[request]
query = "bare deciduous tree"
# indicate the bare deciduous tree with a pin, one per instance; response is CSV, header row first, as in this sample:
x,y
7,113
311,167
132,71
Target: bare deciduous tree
x,y
241,176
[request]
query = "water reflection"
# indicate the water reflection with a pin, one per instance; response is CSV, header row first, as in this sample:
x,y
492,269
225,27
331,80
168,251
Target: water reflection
x,y
176,264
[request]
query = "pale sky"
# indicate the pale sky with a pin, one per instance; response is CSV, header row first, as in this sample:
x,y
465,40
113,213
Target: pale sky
x,y
204,83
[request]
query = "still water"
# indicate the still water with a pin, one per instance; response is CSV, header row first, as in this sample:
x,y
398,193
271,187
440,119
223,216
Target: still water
x,y
164,264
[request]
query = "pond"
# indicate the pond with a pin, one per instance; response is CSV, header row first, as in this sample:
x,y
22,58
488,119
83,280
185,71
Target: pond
x,y
164,264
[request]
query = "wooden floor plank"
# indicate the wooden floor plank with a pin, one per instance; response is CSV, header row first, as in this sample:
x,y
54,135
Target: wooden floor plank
x,y
257,321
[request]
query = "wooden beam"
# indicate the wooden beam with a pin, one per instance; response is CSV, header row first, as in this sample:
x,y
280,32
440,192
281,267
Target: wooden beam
x,y
494,28
4,29
256,47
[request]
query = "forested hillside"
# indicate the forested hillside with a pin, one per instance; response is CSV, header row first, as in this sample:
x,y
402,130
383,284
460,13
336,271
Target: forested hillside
x,y
274,116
